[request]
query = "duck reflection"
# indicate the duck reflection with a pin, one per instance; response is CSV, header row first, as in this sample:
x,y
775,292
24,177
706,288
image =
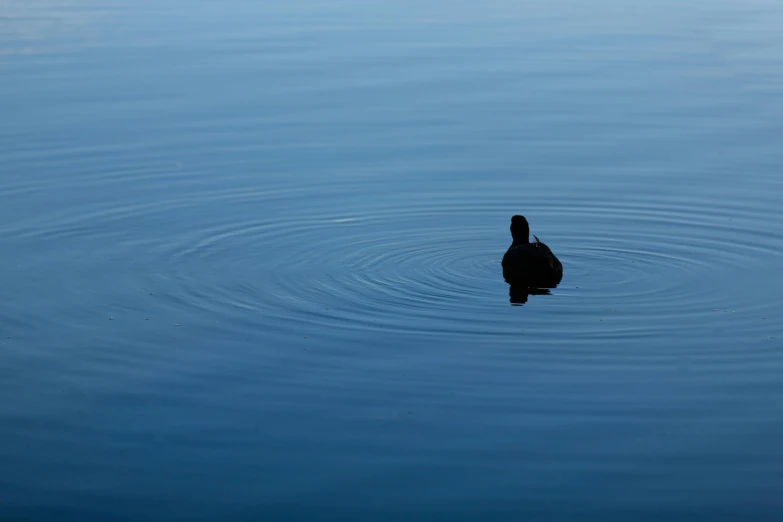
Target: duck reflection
x,y
517,295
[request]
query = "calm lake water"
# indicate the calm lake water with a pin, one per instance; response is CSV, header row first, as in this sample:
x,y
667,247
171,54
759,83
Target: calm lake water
x,y
251,252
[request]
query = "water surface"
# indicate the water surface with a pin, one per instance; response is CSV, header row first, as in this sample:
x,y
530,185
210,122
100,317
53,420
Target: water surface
x,y
251,260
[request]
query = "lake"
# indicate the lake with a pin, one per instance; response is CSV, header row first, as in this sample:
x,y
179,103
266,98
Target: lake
x,y
251,257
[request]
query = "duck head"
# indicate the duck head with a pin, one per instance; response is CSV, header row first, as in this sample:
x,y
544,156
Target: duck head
x,y
520,231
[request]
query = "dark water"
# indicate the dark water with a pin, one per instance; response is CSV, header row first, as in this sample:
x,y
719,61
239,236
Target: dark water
x,y
251,251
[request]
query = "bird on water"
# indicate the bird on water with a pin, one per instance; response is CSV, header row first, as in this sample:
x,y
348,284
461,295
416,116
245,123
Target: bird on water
x,y
530,265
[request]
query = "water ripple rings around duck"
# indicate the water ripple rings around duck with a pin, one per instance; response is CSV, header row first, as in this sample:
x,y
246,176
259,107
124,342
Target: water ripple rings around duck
x,y
397,269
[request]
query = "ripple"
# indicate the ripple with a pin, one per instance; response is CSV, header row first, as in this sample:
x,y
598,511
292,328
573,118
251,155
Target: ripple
x,y
342,256
432,266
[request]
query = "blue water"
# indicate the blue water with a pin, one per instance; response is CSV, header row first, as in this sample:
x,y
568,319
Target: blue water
x,y
250,260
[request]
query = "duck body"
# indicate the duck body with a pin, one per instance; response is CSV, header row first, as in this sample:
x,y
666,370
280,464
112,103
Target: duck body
x,y
531,265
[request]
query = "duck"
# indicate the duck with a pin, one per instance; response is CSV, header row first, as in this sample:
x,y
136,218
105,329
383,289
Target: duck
x,y
529,265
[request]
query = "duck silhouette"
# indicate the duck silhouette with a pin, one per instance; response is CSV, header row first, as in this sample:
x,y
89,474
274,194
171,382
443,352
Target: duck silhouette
x,y
529,265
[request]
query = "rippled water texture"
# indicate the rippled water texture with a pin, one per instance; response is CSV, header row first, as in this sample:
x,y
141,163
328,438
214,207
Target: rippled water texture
x,y
250,260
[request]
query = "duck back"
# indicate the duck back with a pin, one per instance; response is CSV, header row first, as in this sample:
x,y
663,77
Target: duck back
x,y
532,265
